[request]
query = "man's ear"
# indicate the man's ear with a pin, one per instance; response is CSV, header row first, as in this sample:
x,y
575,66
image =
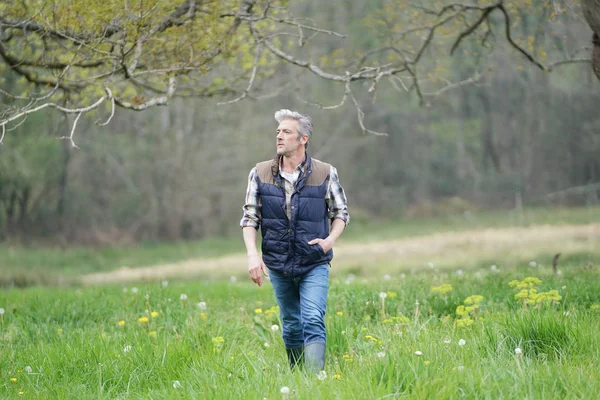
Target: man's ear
x,y
303,139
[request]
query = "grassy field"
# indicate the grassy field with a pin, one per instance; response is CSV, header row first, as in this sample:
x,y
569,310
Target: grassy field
x,y
26,265
196,340
482,329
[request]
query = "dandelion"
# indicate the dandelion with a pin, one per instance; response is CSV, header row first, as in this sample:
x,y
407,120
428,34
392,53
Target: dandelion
x,y
202,305
177,385
567,313
258,311
164,283
446,341
154,314
233,279
203,316
532,264
459,272
559,272
147,296
218,340
183,297
462,342
430,265
382,295
494,268
284,390
381,354
387,277
402,276
340,314
1,311
28,369
134,290
13,380
266,344
121,323
391,295
143,320
21,393
337,376
418,353
460,368
518,351
275,328
322,375
127,349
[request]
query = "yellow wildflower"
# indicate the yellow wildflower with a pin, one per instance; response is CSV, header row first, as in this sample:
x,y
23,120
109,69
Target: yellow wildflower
x,y
340,314
258,311
391,295
121,323
203,316
154,314
337,376
595,307
13,380
218,341
21,393
474,300
442,289
143,320
427,362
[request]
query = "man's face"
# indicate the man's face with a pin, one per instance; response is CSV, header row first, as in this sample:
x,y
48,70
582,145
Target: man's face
x,y
288,138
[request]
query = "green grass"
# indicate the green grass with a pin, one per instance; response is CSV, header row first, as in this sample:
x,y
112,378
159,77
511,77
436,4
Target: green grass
x,y
66,342
27,265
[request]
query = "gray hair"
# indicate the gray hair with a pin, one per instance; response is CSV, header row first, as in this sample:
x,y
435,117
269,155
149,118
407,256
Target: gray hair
x,y
305,127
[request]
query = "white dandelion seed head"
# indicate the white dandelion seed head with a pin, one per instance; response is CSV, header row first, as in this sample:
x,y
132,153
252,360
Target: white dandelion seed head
x,y
518,351
134,290
381,354
1,311
284,390
494,268
177,385
322,375
462,342
275,328
28,369
418,353
430,265
387,277
147,296
266,344
201,305
127,349
460,368
402,276
532,264
567,313
164,283
564,288
382,295
459,272
183,297
233,279
446,341
242,309
559,272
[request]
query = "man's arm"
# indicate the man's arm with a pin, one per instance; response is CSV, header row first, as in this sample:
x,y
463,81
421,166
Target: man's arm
x,y
338,211
255,262
250,223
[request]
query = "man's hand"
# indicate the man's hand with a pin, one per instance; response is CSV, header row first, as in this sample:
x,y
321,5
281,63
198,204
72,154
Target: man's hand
x,y
326,244
255,267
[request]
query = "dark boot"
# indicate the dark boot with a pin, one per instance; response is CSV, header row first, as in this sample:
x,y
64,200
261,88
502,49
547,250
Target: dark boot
x,y
295,356
314,356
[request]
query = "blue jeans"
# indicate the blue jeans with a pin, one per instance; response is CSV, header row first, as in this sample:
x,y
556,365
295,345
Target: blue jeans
x,y
302,300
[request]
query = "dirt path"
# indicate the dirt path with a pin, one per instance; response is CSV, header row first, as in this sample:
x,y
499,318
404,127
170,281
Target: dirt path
x,y
449,248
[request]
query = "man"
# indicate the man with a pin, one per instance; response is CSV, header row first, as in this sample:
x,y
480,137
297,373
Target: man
x,y
293,199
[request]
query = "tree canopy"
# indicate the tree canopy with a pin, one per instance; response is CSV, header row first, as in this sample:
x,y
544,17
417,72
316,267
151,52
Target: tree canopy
x,y
92,56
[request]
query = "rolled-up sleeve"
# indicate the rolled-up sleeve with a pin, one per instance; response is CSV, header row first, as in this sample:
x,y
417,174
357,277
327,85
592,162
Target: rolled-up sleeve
x,y
336,199
252,205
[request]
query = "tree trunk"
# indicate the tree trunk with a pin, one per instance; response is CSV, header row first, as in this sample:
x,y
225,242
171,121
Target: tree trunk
x,y
591,11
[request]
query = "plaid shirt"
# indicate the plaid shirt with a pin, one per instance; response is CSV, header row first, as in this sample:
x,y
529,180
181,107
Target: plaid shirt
x,y
335,197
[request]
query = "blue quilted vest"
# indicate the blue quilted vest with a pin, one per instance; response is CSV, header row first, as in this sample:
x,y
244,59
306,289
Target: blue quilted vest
x,y
285,245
